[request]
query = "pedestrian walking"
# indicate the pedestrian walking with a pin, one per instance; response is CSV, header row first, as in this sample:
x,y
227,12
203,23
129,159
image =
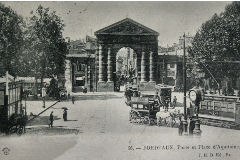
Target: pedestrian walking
x,y
73,99
180,126
174,101
51,120
65,114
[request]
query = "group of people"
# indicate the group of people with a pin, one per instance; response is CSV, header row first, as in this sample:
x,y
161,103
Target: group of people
x,y
51,117
165,103
181,126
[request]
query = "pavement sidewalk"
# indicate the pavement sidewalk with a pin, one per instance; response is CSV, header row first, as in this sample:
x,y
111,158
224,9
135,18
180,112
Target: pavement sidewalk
x,y
36,107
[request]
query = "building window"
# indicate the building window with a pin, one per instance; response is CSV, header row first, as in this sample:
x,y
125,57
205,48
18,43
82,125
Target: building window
x,y
80,67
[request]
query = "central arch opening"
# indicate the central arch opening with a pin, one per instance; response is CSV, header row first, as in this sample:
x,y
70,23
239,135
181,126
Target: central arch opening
x,y
125,68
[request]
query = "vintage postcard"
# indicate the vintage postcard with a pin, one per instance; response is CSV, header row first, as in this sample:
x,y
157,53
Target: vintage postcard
x,y
119,80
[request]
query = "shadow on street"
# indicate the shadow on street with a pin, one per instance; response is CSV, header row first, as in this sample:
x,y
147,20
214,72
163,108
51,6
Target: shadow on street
x,y
56,130
41,120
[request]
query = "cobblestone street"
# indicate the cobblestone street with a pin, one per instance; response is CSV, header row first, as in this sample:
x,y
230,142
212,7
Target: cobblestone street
x,y
98,128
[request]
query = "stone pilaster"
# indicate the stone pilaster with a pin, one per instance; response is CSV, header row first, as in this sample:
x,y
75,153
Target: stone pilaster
x,y
100,72
95,75
139,67
143,67
109,67
151,67
136,68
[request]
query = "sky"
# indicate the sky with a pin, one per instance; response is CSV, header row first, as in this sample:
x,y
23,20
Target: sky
x,y
170,19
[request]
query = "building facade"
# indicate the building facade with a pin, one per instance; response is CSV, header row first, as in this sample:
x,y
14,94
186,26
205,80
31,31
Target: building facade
x,y
170,63
93,64
80,65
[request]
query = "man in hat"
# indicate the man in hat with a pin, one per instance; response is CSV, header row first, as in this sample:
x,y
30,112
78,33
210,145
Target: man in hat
x,y
174,101
65,114
51,120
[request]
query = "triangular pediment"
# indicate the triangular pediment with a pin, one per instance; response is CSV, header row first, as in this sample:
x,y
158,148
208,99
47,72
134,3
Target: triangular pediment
x,y
126,26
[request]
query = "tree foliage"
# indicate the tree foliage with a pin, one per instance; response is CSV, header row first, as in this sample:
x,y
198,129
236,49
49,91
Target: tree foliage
x,y
216,45
11,38
45,48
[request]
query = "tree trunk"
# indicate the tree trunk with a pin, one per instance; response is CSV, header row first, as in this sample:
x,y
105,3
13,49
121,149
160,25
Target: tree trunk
x,y
41,84
35,87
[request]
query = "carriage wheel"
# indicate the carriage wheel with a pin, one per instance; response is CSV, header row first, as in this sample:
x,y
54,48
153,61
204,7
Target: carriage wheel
x,y
20,130
11,129
146,120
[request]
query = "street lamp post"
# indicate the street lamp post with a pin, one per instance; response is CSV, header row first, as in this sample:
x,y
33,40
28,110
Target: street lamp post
x,y
195,96
185,123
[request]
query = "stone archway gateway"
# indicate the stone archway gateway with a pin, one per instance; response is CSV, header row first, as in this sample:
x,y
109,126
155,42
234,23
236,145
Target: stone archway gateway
x,y
126,33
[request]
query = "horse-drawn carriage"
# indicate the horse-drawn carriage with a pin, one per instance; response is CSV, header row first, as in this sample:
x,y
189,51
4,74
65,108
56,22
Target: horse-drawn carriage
x,y
146,106
16,124
143,110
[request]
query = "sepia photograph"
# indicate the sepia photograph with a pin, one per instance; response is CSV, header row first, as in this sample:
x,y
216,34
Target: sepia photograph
x,y
119,80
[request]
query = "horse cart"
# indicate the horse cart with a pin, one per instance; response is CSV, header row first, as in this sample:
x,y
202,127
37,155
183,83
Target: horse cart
x,y
143,110
12,113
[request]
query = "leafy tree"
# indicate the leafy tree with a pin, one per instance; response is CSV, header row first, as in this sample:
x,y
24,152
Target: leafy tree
x,y
11,38
216,45
45,47
53,90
